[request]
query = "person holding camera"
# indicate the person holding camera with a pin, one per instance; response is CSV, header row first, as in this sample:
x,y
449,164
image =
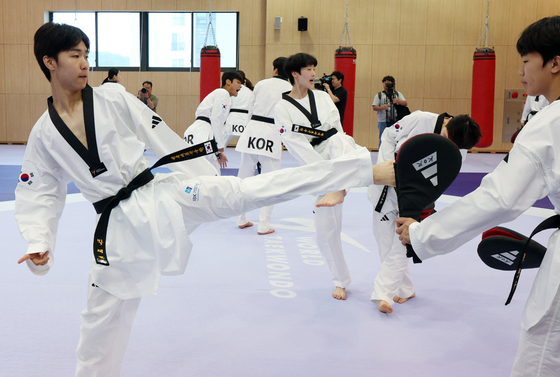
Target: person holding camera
x,y
384,103
145,95
338,93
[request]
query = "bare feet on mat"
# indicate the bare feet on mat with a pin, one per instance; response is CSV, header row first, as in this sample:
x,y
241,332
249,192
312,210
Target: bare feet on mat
x,y
247,225
399,300
384,307
339,293
331,199
267,232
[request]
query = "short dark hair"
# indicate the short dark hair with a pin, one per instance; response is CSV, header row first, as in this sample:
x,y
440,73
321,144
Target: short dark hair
x,y
148,82
278,64
463,131
388,78
542,37
231,75
112,73
339,76
51,39
296,62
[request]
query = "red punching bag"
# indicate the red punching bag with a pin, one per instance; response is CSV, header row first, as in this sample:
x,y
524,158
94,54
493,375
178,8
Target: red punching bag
x,y
482,105
209,70
345,62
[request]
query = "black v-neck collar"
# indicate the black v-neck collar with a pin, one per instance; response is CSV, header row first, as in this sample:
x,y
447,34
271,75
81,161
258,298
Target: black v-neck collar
x,y
439,122
90,155
313,117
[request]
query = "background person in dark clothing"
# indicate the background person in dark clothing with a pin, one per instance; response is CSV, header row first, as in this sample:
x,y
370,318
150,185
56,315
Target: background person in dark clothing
x,y
338,94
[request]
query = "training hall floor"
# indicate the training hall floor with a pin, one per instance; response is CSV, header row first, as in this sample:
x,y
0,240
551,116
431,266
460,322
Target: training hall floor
x,y
229,316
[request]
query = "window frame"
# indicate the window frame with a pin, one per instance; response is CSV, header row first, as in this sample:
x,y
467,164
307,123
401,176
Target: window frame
x,y
144,42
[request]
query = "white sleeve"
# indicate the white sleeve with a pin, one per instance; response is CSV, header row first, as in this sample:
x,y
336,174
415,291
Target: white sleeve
x,y
219,117
40,199
376,100
151,129
502,196
297,144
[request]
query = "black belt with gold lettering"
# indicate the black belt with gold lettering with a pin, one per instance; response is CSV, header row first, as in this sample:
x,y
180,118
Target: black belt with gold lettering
x,y
319,135
105,206
262,119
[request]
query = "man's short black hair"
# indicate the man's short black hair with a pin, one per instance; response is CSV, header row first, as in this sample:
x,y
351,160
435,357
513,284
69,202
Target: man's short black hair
x,y
388,78
149,83
339,76
51,39
231,75
296,62
543,37
278,64
463,131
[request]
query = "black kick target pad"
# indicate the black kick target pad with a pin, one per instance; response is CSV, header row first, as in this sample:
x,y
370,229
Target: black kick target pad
x,y
502,249
424,168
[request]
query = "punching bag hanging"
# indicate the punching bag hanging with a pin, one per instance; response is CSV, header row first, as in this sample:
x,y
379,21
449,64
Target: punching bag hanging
x,y
345,62
209,62
209,70
484,77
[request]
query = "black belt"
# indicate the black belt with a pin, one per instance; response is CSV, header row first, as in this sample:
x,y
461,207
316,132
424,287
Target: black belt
x,y
105,206
319,135
239,111
550,223
206,119
262,119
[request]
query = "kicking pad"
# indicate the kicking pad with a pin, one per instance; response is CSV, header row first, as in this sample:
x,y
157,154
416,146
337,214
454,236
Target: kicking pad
x,y
424,168
502,249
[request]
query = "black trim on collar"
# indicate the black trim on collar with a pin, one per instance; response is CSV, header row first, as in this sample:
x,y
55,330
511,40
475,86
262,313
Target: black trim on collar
x,y
439,122
312,117
90,155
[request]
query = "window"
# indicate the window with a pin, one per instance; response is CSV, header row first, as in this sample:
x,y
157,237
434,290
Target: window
x,y
119,39
86,22
155,40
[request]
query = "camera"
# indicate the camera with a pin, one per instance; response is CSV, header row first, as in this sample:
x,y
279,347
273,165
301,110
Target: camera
x,y
323,80
144,90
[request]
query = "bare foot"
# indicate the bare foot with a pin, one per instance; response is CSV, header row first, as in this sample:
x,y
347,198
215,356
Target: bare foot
x,y
399,300
267,232
384,307
247,225
339,293
331,199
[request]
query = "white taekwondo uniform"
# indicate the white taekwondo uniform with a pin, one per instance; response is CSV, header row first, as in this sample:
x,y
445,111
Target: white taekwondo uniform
x,y
148,233
533,104
394,278
260,141
530,172
328,220
239,113
215,108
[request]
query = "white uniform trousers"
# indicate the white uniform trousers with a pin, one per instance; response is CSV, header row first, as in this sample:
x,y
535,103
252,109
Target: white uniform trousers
x,y
106,322
393,278
328,227
247,169
106,325
538,354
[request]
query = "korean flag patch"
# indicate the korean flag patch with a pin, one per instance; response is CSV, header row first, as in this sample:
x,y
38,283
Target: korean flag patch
x,y
208,147
26,178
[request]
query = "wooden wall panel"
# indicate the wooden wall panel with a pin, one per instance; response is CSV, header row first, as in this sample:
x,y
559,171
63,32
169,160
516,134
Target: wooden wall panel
x,y
363,121
438,106
440,22
113,5
188,5
15,26
386,22
167,109
360,21
68,5
519,18
547,8
170,5
462,66
438,77
16,59
2,71
364,79
2,26
3,124
412,65
513,62
499,22
501,62
468,22
414,22
38,82
18,118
